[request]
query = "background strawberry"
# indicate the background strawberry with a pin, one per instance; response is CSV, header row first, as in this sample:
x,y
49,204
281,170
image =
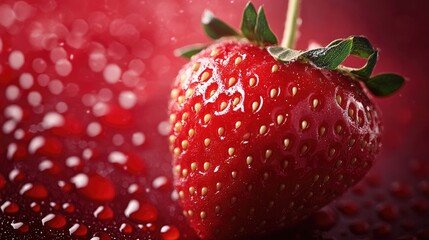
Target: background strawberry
x,y
264,136
162,26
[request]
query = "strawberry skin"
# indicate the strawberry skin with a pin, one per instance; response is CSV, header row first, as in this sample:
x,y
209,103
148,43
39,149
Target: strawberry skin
x,y
259,145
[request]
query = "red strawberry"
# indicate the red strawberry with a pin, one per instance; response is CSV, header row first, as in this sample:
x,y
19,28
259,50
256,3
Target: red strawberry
x,y
264,136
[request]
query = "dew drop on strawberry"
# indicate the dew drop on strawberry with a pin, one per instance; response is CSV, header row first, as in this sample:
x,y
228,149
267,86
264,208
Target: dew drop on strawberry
x,y
94,187
54,221
348,207
21,227
141,212
16,175
78,230
35,207
126,228
169,232
35,191
382,230
9,207
359,227
69,207
101,236
103,213
325,219
401,190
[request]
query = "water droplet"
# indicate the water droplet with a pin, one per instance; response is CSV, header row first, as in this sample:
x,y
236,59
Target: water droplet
x,y
78,230
101,236
164,128
359,227
126,228
34,191
94,187
12,93
127,99
35,207
400,190
103,213
130,162
141,212
63,67
55,221
52,119
49,167
16,175
56,87
14,112
20,226
169,232
23,10
112,73
74,162
160,182
138,138
26,80
9,207
69,207
387,212
34,98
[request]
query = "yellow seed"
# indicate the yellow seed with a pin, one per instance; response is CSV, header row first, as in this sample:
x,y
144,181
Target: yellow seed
x,y
262,130
172,138
252,82
223,106
286,142
197,107
193,166
181,100
315,103
339,99
255,106
203,215
172,118
249,160
185,144
273,93
181,195
191,190
237,124
231,151
238,60
190,213
203,191
205,76
207,118
268,153
331,152
351,112
322,131
234,174
285,164
206,166
189,92
176,151
196,67
294,91
274,68
236,101
218,186
185,116
231,81
184,172
304,124
217,209
220,131
174,93
280,119
304,149
338,128
191,132
207,142
182,78
214,52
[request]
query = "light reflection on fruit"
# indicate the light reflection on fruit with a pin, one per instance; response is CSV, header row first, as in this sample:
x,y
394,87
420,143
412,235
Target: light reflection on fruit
x,y
83,96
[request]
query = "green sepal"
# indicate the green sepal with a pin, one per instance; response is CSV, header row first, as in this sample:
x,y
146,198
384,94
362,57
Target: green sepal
x,y
366,71
384,84
284,54
248,22
190,50
216,28
262,30
330,57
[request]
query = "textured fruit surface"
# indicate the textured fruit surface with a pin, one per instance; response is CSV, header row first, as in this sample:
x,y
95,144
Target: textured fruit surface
x,y
398,178
263,144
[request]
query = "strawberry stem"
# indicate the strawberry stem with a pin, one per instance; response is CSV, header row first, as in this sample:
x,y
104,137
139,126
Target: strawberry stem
x,y
291,24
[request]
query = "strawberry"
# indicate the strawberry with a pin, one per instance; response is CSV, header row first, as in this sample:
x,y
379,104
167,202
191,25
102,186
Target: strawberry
x,y
264,135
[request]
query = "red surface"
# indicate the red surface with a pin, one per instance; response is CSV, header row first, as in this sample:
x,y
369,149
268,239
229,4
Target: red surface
x,y
139,38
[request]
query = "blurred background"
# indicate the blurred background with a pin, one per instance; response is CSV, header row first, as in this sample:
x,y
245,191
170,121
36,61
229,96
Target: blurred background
x,y
84,86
